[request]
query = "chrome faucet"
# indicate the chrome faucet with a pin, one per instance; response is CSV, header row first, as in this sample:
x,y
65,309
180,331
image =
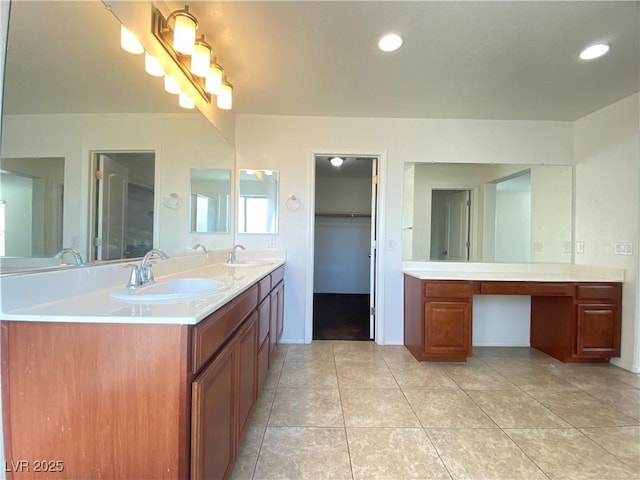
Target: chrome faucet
x,y
232,254
146,272
199,246
77,258
143,274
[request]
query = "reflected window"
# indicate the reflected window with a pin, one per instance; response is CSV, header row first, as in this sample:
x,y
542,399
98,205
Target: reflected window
x,y
258,201
253,214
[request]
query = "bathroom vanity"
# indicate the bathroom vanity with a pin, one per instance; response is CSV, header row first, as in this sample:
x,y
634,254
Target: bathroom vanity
x,y
158,392
575,310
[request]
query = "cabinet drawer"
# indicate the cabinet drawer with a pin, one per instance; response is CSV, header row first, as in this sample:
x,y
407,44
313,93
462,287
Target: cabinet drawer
x,y
277,276
451,289
526,288
210,334
600,292
264,287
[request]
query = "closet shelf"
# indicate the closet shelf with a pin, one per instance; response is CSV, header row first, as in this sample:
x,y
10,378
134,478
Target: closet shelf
x,y
347,215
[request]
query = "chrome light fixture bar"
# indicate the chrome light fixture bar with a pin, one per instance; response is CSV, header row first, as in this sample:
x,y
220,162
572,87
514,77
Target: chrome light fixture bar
x,y
164,33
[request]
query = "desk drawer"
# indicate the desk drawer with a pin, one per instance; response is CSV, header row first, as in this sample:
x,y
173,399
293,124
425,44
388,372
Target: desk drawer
x,y
452,289
526,288
611,291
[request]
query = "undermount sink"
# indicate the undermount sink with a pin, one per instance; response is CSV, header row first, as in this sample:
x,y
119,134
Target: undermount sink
x,y
172,290
250,262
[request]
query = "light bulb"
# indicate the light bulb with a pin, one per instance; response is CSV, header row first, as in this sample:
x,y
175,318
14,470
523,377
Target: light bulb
x,y
171,85
225,97
129,42
185,101
152,66
595,50
336,161
184,32
390,42
213,81
200,59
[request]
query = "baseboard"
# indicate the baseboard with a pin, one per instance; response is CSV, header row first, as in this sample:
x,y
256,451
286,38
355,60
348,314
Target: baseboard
x,y
501,344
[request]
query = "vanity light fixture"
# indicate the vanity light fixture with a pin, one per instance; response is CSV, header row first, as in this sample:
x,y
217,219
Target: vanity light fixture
x,y
129,42
152,66
390,42
595,50
336,161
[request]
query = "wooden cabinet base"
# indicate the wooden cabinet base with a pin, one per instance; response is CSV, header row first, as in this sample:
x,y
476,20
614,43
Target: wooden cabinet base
x,y
573,322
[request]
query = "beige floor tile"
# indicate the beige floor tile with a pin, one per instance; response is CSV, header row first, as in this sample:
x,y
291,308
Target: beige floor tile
x,y
396,354
248,454
262,408
421,375
626,401
483,454
582,410
310,374
273,376
508,352
516,409
319,351
279,354
299,453
590,377
393,453
535,378
376,407
478,378
569,454
374,374
630,378
446,409
623,442
356,352
306,407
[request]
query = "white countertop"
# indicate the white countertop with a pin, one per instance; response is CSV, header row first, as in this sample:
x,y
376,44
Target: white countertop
x,y
514,272
95,305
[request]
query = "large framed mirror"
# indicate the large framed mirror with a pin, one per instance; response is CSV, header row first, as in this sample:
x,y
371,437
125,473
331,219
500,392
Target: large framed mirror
x,y
487,213
76,97
258,201
210,201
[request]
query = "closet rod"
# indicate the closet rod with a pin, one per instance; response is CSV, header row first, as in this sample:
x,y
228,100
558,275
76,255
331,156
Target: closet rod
x,y
348,215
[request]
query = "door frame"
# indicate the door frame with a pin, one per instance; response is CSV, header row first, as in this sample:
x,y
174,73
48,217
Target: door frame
x,y
381,155
92,190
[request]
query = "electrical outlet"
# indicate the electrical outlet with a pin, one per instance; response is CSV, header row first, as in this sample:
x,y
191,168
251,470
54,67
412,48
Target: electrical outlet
x,y
623,248
566,246
272,242
537,246
580,247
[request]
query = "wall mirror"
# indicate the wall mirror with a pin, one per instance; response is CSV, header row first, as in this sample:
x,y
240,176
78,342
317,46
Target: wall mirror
x,y
258,201
77,96
210,199
487,213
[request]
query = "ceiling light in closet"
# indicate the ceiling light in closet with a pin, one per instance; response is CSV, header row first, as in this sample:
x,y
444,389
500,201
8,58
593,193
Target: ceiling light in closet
x,y
336,161
390,42
595,50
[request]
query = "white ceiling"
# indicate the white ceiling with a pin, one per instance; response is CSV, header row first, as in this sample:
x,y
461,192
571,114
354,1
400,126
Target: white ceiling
x,y
494,60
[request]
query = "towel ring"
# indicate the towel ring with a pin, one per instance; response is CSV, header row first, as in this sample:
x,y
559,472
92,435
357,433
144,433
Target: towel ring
x,y
293,203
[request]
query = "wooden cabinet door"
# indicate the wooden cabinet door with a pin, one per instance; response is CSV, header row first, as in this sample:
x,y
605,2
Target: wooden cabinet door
x,y
447,327
247,370
280,316
598,331
213,425
273,328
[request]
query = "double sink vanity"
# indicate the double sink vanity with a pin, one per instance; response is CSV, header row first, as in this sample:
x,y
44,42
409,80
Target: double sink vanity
x,y
158,381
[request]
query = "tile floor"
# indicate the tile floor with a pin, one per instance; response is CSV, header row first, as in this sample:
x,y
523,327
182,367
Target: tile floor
x,y
356,410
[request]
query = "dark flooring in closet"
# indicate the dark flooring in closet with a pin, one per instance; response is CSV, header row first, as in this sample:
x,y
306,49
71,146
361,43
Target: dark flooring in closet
x,y
340,316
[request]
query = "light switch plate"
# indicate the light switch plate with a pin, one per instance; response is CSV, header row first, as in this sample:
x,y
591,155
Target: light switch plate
x,y
623,248
580,247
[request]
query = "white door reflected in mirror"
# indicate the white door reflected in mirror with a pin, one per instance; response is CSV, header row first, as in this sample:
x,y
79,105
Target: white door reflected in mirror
x,y
258,201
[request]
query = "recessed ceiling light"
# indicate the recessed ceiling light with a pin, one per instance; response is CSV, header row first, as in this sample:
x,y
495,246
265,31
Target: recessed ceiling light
x,y
390,42
595,50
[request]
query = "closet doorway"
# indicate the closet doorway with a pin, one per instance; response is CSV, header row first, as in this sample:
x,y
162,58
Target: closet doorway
x,y
345,234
